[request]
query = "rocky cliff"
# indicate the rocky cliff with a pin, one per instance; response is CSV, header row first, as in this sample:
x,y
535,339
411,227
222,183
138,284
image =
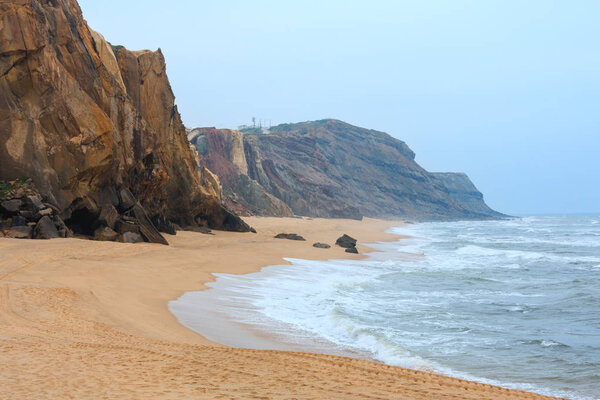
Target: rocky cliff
x,y
463,191
222,151
332,169
95,125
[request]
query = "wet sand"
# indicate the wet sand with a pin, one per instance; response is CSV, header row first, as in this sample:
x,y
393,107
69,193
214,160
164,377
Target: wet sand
x,y
89,320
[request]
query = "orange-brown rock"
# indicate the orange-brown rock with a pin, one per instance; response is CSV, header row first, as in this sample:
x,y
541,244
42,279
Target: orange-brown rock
x,y
85,123
223,151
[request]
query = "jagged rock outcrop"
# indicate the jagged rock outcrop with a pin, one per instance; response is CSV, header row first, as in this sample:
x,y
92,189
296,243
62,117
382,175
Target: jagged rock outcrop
x,y
332,169
86,124
25,215
222,151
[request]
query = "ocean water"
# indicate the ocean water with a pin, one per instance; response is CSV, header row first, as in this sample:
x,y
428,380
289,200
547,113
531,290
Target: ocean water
x,y
514,303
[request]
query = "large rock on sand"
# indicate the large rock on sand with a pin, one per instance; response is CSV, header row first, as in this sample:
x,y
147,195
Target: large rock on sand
x,y
346,241
11,206
289,236
45,229
131,237
106,234
108,216
20,232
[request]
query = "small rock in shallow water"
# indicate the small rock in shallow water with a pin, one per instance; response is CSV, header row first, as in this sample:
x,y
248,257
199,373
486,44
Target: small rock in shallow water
x,y
289,236
321,246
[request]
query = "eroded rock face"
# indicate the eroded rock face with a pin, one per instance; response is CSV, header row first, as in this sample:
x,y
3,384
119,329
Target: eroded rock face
x,y
332,169
222,151
85,123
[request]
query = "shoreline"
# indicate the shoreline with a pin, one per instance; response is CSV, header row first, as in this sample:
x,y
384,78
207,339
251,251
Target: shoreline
x,y
257,339
91,320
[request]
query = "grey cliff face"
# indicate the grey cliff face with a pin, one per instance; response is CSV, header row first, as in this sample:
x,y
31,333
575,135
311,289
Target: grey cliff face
x,y
335,170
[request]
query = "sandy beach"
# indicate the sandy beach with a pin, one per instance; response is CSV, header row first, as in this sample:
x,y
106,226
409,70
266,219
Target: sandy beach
x,y
89,320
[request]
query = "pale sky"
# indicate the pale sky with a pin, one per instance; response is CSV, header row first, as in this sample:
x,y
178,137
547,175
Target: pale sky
x,y
507,91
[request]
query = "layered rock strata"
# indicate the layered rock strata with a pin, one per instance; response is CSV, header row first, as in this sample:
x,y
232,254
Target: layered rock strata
x,y
333,169
222,151
87,122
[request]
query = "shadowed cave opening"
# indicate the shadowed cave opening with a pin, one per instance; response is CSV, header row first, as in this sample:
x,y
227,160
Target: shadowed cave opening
x,y
82,222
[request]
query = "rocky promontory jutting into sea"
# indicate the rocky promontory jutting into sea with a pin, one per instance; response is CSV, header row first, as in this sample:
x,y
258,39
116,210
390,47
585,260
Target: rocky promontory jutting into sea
x,y
332,169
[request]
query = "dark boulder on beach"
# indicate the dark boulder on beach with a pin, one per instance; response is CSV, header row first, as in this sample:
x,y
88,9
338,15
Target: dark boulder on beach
x,y
45,229
321,246
147,229
346,241
289,236
131,237
25,215
164,225
19,232
124,225
11,206
106,234
352,250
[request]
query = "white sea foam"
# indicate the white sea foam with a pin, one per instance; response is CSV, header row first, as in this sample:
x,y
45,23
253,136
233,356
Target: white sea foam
x,y
492,301
550,343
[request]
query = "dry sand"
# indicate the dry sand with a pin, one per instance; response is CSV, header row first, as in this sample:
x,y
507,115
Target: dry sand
x,y
89,320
